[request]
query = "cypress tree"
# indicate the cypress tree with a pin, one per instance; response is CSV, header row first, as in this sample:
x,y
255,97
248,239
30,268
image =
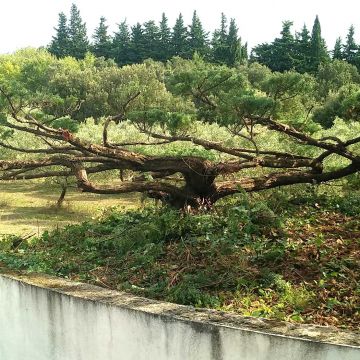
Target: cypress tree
x,y
233,45
164,39
338,50
61,41
179,38
198,38
318,47
121,45
79,43
102,41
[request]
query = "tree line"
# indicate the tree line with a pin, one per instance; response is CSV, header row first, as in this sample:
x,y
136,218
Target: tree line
x,y
301,51
134,44
305,51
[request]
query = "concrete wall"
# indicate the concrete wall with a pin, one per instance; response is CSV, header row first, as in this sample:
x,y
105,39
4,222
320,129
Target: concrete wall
x,y
44,318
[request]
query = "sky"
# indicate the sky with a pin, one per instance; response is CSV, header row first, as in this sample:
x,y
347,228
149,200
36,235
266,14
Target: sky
x,y
25,23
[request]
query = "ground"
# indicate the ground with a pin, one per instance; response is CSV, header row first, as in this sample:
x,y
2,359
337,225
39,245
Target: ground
x,y
294,258
30,207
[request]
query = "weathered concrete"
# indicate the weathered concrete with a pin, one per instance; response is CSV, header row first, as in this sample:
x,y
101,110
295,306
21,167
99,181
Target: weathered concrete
x,y
46,318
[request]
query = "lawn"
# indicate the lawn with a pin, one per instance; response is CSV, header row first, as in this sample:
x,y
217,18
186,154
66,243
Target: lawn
x,y
30,207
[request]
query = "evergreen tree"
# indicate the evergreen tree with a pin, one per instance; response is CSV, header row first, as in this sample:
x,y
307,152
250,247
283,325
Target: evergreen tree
x,y
285,49
102,41
179,38
244,56
220,42
61,41
138,46
350,48
152,41
303,51
318,47
121,45
280,55
79,43
338,50
164,39
198,37
233,45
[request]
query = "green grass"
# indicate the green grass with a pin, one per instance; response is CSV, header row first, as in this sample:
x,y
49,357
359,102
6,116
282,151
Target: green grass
x,y
30,206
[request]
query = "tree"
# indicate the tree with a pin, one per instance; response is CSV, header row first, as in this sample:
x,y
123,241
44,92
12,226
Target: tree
x,y
350,48
198,38
79,43
237,53
121,45
60,45
303,51
102,41
165,39
332,76
220,42
338,53
280,55
138,45
195,91
318,47
152,40
179,38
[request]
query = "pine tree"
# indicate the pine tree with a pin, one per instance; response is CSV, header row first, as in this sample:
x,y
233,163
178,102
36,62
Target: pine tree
x,y
280,55
350,48
318,47
102,41
138,46
79,43
303,50
233,45
198,37
121,45
165,39
219,42
338,50
284,49
61,41
152,40
179,38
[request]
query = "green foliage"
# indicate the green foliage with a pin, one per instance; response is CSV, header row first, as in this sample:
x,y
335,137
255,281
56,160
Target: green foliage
x,y
102,41
318,53
198,38
242,256
79,44
60,45
179,39
65,123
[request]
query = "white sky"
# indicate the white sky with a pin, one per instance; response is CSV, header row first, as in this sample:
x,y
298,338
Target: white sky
x,y
30,22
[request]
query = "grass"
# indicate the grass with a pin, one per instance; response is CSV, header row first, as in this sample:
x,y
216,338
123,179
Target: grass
x,y
29,207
